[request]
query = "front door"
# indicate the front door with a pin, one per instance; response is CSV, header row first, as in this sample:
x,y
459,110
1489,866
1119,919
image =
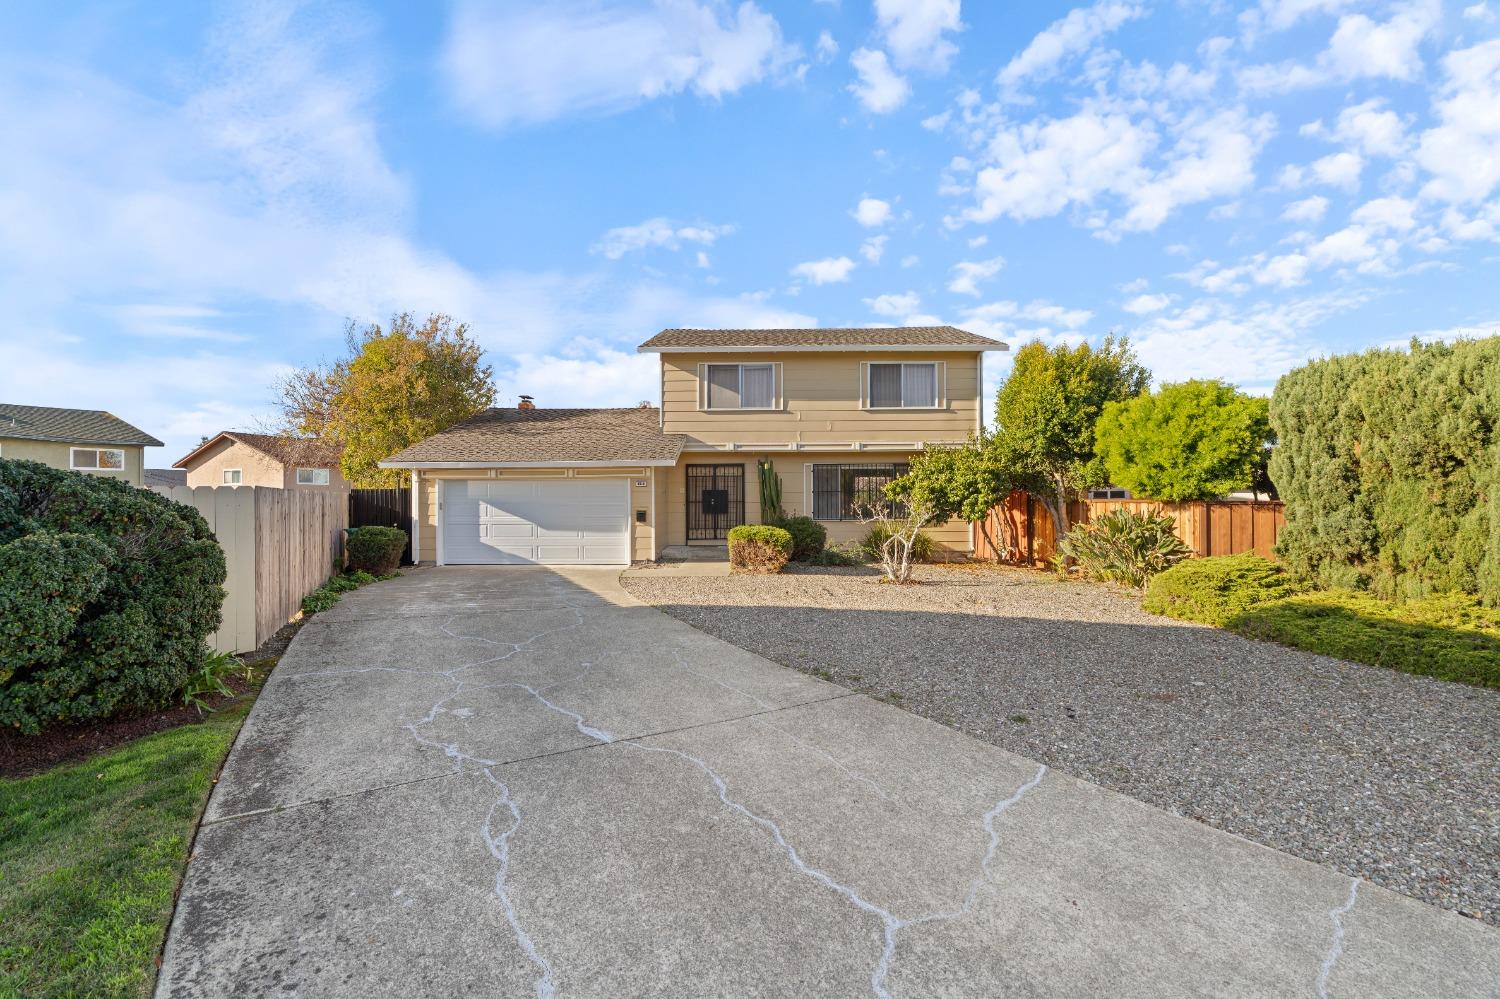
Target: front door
x,y
715,501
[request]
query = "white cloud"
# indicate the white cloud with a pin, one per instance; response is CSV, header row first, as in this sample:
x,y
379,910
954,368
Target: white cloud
x,y
523,64
829,270
1373,129
871,212
879,88
1213,158
1479,12
967,274
873,248
1144,304
658,232
895,306
1359,48
915,30
1279,15
1284,271
1393,214
1068,36
1335,170
1307,210
975,242
1462,153
826,47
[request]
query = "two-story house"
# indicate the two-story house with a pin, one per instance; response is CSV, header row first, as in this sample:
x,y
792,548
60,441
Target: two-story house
x,y
837,412
235,458
83,440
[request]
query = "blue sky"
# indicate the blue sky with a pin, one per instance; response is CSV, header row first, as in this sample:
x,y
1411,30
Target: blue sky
x,y
194,197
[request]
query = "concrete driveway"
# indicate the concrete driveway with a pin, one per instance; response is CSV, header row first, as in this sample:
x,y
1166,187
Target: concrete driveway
x,y
518,782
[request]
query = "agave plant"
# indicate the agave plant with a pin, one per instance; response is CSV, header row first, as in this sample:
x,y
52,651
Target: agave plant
x,y
1124,547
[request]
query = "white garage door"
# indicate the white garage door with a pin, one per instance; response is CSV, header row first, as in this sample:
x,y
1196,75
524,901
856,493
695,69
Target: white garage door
x,y
542,521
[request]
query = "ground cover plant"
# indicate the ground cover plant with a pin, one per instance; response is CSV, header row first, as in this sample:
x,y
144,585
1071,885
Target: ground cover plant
x,y
1214,590
340,583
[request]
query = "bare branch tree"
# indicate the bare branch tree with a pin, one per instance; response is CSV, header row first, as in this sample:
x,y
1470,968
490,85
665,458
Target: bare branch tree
x,y
900,523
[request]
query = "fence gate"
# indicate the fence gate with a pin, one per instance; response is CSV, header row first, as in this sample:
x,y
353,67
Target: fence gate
x,y
382,508
715,501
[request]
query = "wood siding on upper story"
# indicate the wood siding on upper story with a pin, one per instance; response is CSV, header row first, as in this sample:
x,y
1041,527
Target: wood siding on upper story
x,y
821,401
59,455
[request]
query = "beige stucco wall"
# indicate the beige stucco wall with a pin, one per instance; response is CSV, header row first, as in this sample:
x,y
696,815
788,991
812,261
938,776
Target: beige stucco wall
x,y
257,468
57,455
820,395
796,495
641,535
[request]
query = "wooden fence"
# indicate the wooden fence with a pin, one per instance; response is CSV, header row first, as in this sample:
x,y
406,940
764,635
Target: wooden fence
x,y
1215,527
280,544
383,508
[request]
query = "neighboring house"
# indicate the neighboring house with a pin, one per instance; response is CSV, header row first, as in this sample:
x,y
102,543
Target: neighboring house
x,y
839,412
164,478
84,440
233,458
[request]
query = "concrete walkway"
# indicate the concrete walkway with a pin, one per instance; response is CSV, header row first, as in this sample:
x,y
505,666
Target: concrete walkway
x,y
518,782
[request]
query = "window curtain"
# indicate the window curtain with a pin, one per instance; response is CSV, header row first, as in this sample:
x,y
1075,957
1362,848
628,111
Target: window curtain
x,y
885,385
723,386
919,385
758,386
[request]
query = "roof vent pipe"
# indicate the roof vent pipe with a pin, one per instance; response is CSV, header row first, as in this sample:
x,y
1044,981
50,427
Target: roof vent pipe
x,y
526,403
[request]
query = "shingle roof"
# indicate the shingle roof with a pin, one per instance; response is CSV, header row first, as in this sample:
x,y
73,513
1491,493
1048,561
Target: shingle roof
x,y
287,450
549,435
70,426
164,477
847,337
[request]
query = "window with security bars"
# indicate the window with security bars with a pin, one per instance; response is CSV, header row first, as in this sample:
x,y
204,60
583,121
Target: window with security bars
x,y
848,492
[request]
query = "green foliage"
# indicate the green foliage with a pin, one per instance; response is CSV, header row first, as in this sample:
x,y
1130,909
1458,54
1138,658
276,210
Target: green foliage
x,y
1389,465
770,491
1189,441
964,482
1124,547
1046,411
375,550
808,536
872,541
362,578
394,388
1216,590
836,555
341,583
209,680
759,548
320,600
93,852
108,594
1451,637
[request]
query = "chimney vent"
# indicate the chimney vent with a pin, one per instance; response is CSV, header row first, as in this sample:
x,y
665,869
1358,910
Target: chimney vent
x,y
526,403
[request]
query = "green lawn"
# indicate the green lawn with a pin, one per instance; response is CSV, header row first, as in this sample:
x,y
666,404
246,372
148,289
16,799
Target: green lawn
x,y
1449,637
90,857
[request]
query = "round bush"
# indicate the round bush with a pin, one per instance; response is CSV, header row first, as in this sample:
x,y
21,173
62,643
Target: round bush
x,y
1216,590
922,548
108,595
759,548
809,537
376,550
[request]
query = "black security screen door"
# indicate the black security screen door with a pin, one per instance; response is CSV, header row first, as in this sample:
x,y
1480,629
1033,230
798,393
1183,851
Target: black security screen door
x,y
715,501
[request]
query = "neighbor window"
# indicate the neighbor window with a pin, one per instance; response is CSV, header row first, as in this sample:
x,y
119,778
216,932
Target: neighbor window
x,y
99,459
741,386
848,492
312,476
903,386
233,476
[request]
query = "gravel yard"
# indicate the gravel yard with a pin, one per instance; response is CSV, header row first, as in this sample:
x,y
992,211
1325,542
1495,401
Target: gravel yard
x,y
1381,775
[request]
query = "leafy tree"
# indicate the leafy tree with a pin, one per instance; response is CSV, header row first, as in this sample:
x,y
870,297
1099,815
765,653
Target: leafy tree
x,y
1046,411
965,482
1189,441
394,388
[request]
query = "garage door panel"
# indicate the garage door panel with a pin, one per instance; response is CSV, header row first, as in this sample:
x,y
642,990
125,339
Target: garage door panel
x,y
556,522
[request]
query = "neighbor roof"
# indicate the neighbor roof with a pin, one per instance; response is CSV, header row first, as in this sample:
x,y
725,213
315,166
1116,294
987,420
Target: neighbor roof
x,y
70,426
544,436
165,477
287,450
843,338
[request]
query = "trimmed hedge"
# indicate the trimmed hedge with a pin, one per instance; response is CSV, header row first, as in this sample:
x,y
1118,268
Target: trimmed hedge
x,y
809,537
759,548
375,550
108,595
1389,465
1216,590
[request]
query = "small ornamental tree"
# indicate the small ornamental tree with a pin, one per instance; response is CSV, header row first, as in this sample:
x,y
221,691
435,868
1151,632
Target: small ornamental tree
x,y
1046,411
964,482
1189,441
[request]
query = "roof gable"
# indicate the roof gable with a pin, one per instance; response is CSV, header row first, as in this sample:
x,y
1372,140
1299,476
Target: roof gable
x,y
306,452
545,436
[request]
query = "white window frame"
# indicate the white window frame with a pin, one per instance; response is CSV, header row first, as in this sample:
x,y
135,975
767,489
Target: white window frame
x,y
96,451
775,367
239,480
327,476
940,384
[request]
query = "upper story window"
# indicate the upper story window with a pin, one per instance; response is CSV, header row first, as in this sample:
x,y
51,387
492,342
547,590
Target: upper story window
x,y
312,476
908,385
233,476
97,459
739,386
